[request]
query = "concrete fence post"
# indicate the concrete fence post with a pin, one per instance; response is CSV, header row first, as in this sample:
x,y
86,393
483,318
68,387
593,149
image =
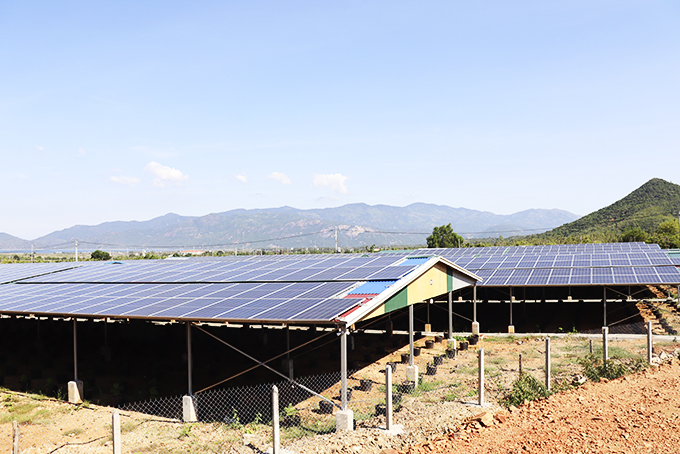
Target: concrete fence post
x,y
188,409
650,347
115,429
276,435
481,377
547,363
605,343
15,444
388,398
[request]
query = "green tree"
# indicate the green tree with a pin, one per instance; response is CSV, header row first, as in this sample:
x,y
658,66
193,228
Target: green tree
x,y
444,236
667,235
100,255
634,235
669,227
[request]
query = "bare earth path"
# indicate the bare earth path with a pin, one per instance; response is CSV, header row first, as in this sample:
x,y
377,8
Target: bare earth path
x,y
635,414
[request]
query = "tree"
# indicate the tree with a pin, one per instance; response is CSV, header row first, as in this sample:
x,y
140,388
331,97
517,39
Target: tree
x,y
667,235
444,236
669,228
100,255
634,235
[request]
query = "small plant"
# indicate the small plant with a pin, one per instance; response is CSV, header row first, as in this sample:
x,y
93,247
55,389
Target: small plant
x,y
595,368
424,386
290,410
233,421
450,397
471,393
185,431
525,388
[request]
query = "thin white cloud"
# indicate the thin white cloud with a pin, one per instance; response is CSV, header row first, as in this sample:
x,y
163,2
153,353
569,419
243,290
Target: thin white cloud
x,y
280,177
241,178
165,174
127,181
81,152
335,181
40,148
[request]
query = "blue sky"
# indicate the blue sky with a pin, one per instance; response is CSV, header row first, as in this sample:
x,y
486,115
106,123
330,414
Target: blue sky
x,y
130,110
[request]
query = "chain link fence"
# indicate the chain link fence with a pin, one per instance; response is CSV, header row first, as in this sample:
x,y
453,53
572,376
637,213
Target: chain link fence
x,y
238,419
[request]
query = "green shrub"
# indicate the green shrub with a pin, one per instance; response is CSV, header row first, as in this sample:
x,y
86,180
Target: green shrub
x,y
525,388
595,368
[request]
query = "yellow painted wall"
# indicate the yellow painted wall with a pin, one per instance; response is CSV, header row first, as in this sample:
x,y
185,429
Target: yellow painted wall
x,y
431,284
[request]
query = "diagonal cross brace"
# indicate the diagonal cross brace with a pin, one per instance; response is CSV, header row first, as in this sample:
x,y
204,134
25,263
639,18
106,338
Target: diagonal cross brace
x,y
268,367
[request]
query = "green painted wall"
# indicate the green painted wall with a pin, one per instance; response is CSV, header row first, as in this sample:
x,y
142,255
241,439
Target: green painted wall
x,y
397,301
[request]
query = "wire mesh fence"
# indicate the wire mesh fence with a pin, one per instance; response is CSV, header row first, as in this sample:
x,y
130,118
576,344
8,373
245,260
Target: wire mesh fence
x,y
231,418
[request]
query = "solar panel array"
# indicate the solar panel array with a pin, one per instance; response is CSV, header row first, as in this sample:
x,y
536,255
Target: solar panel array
x,y
297,268
17,271
303,288
565,265
238,301
242,288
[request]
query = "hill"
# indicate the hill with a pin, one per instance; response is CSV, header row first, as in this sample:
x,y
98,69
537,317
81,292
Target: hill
x,y
285,227
645,209
12,242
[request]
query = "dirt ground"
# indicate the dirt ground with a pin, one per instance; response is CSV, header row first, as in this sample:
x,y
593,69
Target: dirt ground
x,y
638,413
635,414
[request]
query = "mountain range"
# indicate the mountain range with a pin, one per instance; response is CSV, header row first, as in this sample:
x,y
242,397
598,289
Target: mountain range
x,y
285,227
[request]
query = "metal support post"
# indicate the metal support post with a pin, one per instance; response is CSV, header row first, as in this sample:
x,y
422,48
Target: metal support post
x,y
189,361
481,377
650,346
428,311
276,442
344,419
605,343
450,315
604,299
410,334
343,367
75,350
474,304
510,311
547,363
475,323
388,397
289,362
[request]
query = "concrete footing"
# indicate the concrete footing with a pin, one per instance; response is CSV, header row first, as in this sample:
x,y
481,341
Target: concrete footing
x,y
412,374
188,409
396,429
75,391
511,329
475,327
344,420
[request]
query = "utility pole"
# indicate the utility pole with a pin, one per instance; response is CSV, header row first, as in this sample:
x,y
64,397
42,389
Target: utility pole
x,y
76,250
336,239
31,252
